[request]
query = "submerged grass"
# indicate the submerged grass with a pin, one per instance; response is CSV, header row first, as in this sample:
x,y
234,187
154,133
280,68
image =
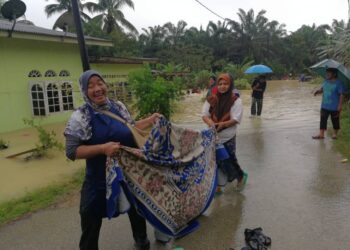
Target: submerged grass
x,y
343,142
39,199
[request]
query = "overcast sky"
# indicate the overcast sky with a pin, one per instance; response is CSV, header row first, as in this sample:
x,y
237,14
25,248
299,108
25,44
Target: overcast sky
x,y
293,13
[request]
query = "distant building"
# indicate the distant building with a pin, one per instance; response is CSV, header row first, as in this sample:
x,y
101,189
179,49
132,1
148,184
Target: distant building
x,y
39,71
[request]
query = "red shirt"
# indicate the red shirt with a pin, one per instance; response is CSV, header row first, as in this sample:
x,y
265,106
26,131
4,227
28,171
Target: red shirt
x,y
214,90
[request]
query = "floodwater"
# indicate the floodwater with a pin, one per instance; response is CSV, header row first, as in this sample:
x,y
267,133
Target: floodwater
x,y
297,191
18,176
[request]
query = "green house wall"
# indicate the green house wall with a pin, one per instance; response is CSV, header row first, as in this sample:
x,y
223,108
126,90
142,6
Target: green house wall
x,y
20,56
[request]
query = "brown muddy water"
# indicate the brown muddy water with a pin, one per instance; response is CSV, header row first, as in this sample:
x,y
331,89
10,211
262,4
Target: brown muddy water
x,y
18,176
297,191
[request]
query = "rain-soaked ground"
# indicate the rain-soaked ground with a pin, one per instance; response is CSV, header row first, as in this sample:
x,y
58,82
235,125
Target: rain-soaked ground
x,y
297,191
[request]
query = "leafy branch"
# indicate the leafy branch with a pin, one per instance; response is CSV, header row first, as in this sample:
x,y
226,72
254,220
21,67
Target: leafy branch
x,y
47,140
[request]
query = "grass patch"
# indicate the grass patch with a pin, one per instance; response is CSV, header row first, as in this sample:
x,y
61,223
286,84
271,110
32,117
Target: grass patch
x,y
343,142
39,199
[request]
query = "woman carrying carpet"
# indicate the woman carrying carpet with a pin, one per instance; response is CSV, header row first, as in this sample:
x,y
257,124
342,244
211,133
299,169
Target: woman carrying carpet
x,y
94,136
224,111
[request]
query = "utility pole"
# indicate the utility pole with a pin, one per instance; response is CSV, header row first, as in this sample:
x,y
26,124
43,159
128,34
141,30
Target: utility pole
x,y
80,34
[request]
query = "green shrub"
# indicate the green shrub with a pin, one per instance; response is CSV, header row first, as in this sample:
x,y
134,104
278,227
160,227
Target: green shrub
x,y
242,84
47,140
154,93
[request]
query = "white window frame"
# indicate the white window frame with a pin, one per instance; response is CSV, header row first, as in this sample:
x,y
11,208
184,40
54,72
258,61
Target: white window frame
x,y
59,97
44,85
36,71
71,84
50,71
120,90
66,73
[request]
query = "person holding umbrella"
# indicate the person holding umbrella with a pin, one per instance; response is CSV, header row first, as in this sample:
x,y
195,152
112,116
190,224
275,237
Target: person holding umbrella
x,y
258,89
332,91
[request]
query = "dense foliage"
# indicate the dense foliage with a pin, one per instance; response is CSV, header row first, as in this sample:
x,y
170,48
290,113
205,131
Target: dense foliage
x,y
254,38
154,93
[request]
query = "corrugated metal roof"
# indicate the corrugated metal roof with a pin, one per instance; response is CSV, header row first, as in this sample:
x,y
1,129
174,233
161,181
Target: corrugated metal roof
x,y
30,29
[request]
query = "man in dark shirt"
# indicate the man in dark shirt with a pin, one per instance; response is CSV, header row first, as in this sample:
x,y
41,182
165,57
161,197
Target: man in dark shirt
x,y
258,87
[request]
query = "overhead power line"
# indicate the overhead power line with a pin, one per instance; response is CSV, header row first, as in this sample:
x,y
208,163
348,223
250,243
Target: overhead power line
x,y
213,12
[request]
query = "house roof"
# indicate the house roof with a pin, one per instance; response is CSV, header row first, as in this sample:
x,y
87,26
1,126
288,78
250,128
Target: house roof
x,y
122,60
27,31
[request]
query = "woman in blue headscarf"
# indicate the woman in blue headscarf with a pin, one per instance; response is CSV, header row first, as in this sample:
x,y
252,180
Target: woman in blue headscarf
x,y
93,135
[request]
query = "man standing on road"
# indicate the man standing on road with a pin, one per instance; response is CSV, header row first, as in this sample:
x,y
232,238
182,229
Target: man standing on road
x,y
258,87
332,91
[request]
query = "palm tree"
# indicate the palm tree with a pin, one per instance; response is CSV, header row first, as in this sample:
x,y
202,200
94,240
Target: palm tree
x,y
339,26
219,39
175,33
196,36
156,33
337,45
250,31
257,37
251,25
273,33
64,7
111,17
151,40
217,29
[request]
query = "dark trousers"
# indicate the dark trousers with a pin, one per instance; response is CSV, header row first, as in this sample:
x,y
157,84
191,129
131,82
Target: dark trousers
x,y
91,225
256,107
237,172
334,117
